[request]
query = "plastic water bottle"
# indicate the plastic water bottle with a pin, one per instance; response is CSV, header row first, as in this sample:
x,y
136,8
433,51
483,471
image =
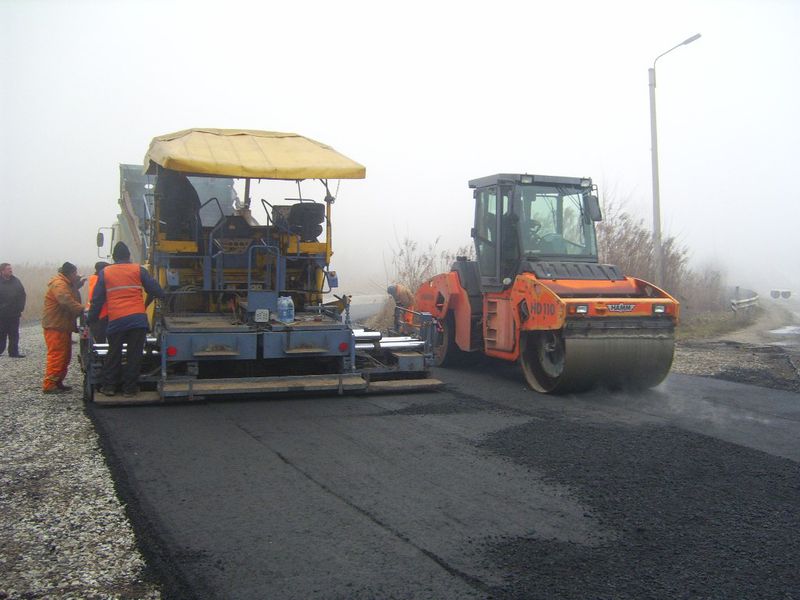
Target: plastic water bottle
x,y
285,309
282,309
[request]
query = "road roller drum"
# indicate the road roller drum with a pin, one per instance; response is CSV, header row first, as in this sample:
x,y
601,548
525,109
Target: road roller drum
x,y
553,363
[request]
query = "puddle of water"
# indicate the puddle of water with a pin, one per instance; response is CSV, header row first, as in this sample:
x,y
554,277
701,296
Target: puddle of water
x,y
788,330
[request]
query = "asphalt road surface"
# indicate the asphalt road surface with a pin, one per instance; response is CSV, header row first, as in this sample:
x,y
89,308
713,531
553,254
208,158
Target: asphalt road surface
x,y
482,490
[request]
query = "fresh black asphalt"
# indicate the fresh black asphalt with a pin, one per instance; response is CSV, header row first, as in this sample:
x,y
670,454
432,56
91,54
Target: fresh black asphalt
x,y
482,490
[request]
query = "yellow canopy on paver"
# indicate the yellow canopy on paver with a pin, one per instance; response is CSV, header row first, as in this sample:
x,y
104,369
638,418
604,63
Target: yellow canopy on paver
x,y
249,153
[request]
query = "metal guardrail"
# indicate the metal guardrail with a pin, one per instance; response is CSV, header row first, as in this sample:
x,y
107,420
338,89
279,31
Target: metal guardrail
x,y
745,303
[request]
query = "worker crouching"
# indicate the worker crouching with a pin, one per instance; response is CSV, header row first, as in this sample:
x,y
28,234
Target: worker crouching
x,y
119,288
62,306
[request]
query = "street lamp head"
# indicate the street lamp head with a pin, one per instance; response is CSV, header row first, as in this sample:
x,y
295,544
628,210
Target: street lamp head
x,y
695,37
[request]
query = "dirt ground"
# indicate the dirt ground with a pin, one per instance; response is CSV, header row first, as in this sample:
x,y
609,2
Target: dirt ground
x,y
766,353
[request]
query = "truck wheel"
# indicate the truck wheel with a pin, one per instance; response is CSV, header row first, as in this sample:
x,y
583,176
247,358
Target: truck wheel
x,y
88,388
83,352
445,351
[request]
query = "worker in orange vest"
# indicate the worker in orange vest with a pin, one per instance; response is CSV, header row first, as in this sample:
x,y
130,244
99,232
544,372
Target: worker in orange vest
x,y
119,288
98,329
62,305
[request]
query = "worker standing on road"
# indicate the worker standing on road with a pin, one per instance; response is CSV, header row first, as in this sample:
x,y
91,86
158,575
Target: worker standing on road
x,y
119,288
62,305
12,303
99,328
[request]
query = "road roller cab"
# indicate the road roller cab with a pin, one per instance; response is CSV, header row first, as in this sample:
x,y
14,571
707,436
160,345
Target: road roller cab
x,y
537,293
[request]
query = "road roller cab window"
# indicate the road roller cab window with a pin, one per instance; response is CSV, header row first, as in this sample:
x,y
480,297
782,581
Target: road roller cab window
x,y
509,234
554,222
485,232
497,234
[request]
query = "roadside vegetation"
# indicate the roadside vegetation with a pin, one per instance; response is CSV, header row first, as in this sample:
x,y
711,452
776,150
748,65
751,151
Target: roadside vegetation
x,y
623,240
709,324
410,265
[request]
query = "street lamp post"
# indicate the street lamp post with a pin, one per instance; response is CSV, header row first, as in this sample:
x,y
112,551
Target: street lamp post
x,y
657,250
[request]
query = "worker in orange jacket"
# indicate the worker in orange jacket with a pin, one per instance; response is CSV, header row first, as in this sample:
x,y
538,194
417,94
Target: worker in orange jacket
x,y
62,305
98,328
119,287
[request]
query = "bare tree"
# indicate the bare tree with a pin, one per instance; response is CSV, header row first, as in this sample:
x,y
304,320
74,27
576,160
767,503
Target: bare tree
x,y
625,241
413,264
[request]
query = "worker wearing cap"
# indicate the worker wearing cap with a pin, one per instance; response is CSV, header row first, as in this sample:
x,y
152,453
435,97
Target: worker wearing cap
x,y
62,305
119,288
401,295
98,329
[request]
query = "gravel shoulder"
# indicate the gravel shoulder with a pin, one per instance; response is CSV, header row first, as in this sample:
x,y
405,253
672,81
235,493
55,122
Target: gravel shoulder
x,y
751,355
63,531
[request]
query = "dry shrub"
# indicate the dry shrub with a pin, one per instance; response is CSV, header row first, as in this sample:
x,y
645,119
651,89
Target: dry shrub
x,y
384,320
34,278
412,265
704,290
625,241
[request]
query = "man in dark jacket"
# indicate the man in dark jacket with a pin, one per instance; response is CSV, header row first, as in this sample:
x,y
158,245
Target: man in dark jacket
x,y
12,303
119,287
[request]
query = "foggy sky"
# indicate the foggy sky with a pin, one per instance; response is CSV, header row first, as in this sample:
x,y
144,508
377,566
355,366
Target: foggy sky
x,y
427,96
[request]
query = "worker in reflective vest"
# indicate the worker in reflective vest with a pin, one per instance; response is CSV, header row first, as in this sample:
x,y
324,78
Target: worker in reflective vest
x,y
98,329
119,287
